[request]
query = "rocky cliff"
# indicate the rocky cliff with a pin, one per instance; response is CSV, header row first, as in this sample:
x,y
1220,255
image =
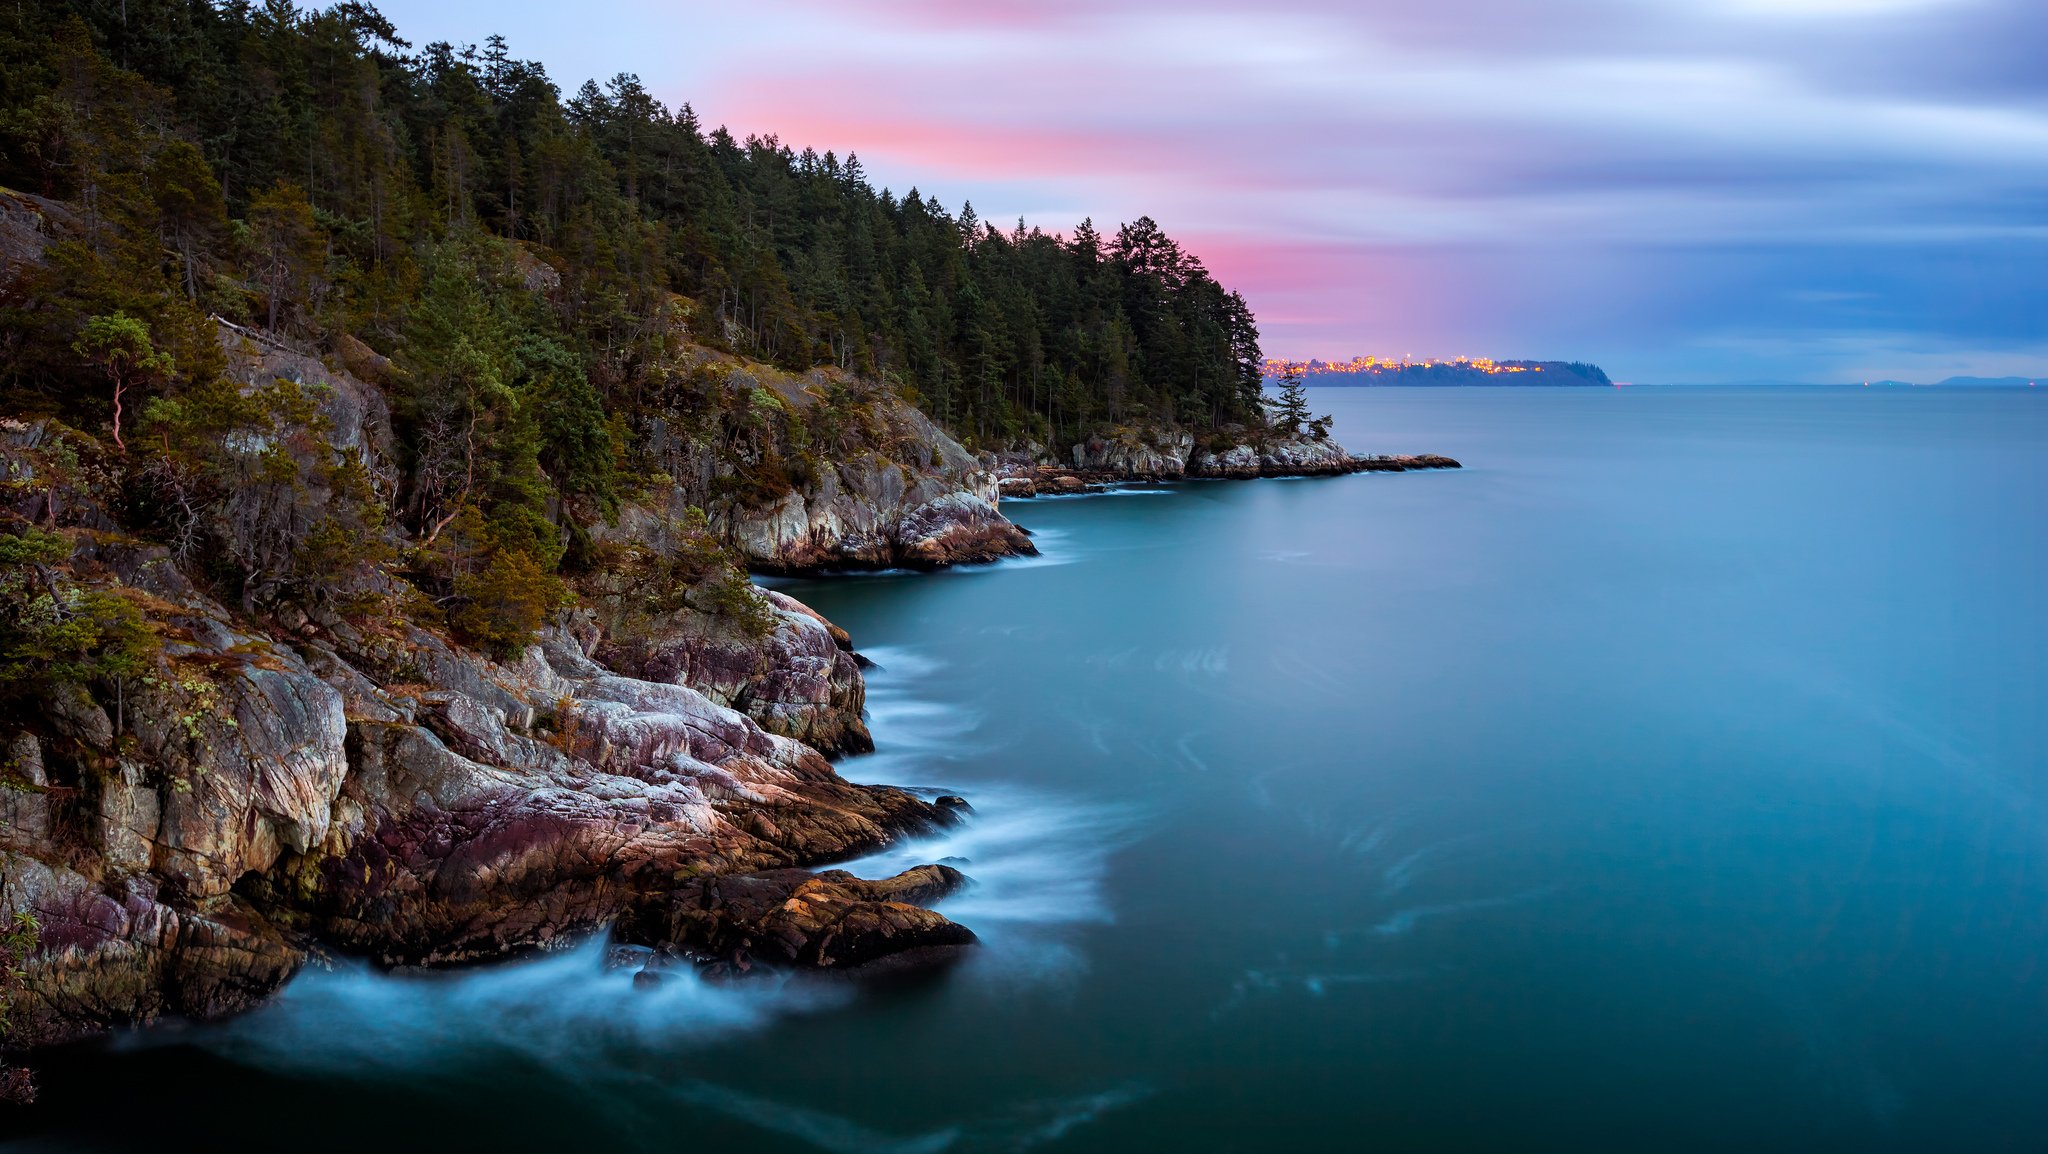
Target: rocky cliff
x,y
288,774
847,475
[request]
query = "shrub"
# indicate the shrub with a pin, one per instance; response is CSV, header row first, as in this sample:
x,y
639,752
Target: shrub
x,y
54,631
503,606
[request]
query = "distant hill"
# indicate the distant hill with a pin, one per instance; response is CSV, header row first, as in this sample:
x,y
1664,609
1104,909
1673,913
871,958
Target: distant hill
x,y
1967,383
1371,371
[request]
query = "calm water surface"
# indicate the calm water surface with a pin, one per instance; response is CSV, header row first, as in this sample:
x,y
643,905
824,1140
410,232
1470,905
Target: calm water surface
x,y
1673,777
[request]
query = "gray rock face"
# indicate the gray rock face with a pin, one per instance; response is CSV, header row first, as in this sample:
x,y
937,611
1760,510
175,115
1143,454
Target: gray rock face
x,y
1166,454
907,495
250,751
866,515
1295,457
1148,454
801,680
1156,454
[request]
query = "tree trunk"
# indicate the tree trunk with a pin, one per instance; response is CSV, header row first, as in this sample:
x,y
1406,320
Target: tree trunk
x,y
119,388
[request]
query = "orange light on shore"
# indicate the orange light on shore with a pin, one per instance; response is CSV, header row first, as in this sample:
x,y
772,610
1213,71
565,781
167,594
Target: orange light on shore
x,y
1374,366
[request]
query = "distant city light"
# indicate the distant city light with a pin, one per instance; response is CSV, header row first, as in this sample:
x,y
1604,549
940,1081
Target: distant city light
x,y
1374,365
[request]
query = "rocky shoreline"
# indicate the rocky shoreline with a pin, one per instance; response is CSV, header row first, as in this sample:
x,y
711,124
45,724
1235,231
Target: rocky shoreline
x,y
298,779
347,777
1153,457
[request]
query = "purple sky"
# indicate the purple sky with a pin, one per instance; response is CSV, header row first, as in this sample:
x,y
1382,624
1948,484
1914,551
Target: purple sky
x,y
1681,190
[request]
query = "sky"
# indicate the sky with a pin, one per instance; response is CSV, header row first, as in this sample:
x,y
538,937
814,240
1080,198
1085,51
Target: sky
x,y
1679,190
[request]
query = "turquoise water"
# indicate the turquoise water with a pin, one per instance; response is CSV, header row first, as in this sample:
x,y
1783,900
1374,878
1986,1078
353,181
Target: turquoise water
x,y
1675,776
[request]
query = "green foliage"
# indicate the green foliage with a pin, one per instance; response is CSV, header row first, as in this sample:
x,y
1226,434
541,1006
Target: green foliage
x,y
680,568
55,631
33,546
191,212
288,251
734,597
119,346
504,605
1290,410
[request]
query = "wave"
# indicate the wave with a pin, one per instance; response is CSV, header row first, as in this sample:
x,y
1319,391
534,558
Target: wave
x,y
348,1015
1021,1126
1406,920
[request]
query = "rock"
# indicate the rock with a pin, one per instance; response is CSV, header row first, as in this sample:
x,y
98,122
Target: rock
x,y
1300,457
392,795
1150,453
1153,453
801,680
903,495
626,956
24,796
365,362
830,921
112,953
248,743
1238,462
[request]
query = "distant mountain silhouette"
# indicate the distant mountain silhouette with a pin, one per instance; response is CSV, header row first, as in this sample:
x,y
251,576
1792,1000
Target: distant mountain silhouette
x,y
1967,383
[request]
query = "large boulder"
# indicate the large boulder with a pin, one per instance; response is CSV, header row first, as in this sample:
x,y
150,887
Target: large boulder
x,y
799,679
783,918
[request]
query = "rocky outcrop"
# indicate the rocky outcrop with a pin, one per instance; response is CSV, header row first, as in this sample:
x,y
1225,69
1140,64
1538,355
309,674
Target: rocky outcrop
x,y
284,782
1041,480
897,492
800,679
1147,454
504,806
1294,457
386,793
782,918
871,514
1153,455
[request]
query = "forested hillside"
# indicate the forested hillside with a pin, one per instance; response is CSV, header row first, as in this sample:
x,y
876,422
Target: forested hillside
x,y
316,174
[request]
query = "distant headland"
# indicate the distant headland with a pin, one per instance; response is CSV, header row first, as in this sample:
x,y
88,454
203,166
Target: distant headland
x,y
1367,371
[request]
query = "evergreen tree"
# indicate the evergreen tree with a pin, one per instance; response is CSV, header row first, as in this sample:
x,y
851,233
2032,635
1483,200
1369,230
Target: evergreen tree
x,y
119,346
1290,410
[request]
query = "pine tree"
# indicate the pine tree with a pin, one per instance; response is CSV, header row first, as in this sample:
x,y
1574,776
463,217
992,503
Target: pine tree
x,y
119,346
1290,412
